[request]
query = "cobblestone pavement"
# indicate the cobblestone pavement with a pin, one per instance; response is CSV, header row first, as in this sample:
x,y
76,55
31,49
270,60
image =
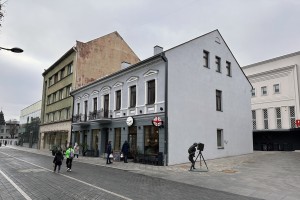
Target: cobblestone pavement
x,y
262,174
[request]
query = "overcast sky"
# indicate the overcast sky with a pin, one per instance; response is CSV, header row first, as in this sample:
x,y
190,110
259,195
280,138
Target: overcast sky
x,y
254,30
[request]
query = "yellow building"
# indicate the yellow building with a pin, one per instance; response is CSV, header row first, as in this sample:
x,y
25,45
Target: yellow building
x,y
82,64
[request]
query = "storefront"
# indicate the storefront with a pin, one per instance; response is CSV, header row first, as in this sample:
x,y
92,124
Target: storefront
x,y
145,135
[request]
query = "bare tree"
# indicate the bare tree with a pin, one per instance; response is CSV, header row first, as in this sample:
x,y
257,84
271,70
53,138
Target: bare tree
x,y
1,11
13,128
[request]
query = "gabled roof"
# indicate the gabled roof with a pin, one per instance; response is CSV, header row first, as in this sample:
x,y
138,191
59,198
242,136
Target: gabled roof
x,y
224,43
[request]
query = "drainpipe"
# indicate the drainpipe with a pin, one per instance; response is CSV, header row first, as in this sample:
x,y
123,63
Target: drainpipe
x,y
166,153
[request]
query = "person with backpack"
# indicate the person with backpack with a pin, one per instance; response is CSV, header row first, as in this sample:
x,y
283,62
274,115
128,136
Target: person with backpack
x,y
69,156
58,160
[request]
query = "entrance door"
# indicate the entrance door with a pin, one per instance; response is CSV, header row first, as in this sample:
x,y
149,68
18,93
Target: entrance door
x,y
106,102
132,140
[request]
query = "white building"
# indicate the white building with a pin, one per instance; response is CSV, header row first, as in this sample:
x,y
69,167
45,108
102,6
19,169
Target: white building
x,y
275,102
197,89
29,125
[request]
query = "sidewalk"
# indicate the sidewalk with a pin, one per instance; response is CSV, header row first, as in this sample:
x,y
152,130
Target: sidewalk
x,y
262,174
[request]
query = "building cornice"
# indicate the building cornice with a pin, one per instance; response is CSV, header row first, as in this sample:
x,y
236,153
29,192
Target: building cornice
x,y
272,60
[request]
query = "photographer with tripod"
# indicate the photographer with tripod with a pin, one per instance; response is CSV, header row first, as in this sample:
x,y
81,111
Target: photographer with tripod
x,y
192,151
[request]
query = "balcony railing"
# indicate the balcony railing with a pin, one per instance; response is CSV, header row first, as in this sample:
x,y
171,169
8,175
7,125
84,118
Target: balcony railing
x,y
95,115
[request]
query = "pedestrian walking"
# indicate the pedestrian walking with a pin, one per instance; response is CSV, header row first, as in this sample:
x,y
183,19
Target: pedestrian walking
x,y
5,143
125,150
69,156
76,150
108,151
58,160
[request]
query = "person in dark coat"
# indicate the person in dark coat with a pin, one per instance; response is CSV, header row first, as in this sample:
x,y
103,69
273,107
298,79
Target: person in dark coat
x,y
192,151
125,150
58,160
108,151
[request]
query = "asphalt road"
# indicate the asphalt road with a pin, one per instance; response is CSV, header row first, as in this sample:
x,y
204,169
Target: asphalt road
x,y
25,175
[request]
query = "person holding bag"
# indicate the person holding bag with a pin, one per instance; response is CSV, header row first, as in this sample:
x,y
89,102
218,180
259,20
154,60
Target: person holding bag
x,y
125,150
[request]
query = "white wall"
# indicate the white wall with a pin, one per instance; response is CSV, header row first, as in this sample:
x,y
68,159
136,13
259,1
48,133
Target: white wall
x,y
192,101
284,71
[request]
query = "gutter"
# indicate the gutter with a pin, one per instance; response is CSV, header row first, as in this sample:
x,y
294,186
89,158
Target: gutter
x,y
165,59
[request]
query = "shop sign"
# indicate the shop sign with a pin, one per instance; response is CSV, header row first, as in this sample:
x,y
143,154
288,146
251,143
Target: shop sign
x,y
298,123
157,121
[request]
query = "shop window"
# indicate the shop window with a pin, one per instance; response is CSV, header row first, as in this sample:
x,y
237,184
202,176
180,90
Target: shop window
x,y
151,136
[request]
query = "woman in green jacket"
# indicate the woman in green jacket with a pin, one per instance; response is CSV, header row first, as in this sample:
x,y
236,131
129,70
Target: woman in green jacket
x,y
69,156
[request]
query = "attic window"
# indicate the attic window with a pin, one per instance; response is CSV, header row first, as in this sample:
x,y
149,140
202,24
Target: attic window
x,y
217,40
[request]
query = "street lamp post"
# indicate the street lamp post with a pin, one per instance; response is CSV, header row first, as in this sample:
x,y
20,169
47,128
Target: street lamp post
x,y
15,49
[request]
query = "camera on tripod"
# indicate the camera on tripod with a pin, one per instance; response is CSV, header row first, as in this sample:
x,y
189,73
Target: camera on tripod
x,y
200,146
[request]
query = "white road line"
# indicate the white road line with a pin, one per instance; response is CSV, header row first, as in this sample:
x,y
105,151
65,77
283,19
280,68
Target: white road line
x,y
99,188
15,185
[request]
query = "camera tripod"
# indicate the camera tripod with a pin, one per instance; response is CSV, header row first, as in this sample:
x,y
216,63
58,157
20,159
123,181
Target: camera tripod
x,y
200,155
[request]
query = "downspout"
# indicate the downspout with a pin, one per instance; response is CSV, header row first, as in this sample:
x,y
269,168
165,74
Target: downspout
x,y
166,108
73,88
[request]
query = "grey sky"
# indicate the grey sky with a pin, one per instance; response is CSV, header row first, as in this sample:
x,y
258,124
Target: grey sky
x,y
254,30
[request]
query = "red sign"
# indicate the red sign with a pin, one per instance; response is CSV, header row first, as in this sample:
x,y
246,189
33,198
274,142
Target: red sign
x,y
157,121
297,122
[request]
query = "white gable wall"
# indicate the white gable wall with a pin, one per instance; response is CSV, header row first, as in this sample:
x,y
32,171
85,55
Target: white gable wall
x,y
192,101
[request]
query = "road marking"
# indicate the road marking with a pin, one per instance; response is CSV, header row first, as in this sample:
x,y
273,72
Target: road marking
x,y
15,185
99,188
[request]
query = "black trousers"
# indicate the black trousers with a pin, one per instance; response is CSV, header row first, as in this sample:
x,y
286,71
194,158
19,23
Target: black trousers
x,y
191,158
69,163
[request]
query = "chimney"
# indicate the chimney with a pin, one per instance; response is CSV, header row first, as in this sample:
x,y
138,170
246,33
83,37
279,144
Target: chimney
x,y
158,49
124,65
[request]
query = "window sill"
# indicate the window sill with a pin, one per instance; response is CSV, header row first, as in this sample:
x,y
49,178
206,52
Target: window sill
x,y
220,147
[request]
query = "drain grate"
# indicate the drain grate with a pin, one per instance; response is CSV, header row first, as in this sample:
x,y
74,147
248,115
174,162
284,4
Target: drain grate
x,y
229,171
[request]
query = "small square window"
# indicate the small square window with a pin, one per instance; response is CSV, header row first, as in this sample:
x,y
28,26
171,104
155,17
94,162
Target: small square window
x,y
264,90
276,88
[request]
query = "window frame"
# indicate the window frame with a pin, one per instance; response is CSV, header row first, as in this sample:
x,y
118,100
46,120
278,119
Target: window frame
x,y
220,138
228,69
218,64
205,59
219,106
132,96
118,95
151,91
274,88
264,91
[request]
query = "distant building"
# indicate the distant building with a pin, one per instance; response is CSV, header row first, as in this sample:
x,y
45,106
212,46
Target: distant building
x,y
275,102
82,64
29,125
194,92
8,131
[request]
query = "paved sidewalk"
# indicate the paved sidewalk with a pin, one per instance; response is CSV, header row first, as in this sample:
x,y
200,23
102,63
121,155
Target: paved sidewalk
x,y
262,174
